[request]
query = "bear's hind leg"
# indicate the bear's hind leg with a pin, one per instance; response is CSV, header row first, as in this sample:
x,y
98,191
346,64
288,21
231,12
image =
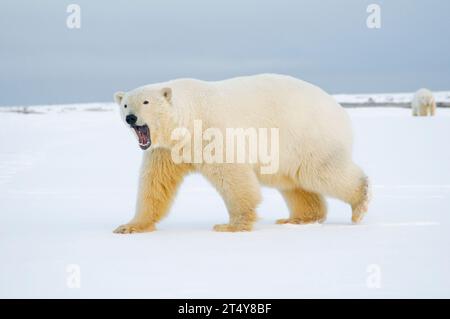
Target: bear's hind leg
x,y
240,190
361,205
346,182
304,207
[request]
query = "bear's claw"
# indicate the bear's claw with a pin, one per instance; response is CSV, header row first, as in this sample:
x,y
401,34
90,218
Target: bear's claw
x,y
297,221
133,228
232,228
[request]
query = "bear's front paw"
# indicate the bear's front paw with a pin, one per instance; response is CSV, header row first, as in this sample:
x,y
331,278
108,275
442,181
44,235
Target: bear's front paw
x,y
232,227
134,228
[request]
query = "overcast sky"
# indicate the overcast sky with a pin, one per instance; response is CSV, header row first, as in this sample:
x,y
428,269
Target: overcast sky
x,y
124,44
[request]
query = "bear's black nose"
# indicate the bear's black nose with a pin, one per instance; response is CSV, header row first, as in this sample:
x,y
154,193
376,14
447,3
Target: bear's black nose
x,y
131,119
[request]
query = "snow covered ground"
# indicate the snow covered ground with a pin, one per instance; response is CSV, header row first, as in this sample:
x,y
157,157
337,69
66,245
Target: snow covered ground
x,y
67,179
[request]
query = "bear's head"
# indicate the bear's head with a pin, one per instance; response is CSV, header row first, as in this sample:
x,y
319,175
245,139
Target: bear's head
x,y
149,114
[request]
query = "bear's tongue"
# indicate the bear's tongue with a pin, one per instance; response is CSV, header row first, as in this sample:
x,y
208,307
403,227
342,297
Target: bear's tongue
x,y
143,134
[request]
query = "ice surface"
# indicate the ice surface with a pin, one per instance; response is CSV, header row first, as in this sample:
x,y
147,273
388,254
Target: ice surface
x,y
67,179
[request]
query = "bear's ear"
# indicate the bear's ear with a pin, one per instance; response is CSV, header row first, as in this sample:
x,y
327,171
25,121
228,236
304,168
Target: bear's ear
x,y
118,96
167,93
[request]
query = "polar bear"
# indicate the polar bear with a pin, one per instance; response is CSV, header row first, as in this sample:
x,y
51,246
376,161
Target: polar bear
x,y
315,147
423,103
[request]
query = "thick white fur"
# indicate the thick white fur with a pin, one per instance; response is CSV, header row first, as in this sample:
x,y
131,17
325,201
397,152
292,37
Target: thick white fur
x,y
315,146
423,103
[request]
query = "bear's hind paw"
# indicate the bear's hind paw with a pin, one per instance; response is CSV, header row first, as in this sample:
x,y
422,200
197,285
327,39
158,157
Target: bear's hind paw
x,y
358,216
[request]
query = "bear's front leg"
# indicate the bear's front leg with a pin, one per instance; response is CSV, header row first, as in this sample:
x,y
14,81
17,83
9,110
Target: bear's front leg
x,y
433,109
158,183
240,190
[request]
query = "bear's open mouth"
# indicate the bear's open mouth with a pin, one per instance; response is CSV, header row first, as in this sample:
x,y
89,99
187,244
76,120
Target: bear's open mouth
x,y
143,134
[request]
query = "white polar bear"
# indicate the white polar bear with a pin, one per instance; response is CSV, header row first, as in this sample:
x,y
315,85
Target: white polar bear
x,y
423,103
315,147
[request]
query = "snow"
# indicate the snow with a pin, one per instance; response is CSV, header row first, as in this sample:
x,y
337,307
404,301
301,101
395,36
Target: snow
x,y
68,177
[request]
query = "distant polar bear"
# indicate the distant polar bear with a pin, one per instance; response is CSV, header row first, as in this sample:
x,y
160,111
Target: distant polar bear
x,y
315,147
423,103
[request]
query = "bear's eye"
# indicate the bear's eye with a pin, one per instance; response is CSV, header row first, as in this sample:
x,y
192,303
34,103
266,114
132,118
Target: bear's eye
x,y
125,106
145,102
